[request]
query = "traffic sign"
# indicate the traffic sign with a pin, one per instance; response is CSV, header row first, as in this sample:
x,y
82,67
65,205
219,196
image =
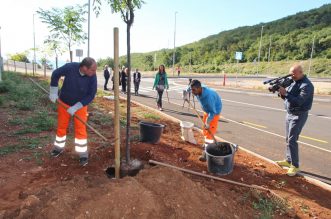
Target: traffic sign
x,y
239,56
79,52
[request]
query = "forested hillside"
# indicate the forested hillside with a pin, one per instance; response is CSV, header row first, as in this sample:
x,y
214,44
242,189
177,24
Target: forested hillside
x,y
291,39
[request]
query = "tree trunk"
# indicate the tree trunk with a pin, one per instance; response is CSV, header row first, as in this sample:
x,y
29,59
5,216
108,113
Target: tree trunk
x,y
128,109
70,52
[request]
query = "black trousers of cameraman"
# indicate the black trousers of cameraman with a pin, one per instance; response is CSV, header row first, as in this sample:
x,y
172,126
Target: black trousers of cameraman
x,y
294,125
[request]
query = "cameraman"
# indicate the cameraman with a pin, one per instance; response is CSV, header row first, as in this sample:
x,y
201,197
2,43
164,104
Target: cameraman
x,y
298,99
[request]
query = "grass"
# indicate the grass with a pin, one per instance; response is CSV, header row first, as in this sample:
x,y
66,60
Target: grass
x,y
4,87
25,143
19,94
1,101
101,119
41,121
122,122
9,149
266,207
151,116
19,91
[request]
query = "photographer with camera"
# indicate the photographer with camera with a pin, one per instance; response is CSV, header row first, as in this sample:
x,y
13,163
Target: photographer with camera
x,y
298,99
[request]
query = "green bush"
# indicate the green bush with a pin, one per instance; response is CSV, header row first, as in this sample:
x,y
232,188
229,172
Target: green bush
x,y
4,87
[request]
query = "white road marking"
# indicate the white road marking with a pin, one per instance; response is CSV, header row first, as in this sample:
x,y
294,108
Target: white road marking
x,y
250,104
271,133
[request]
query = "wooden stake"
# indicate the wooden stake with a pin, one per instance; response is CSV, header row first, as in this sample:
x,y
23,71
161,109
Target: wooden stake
x,y
117,126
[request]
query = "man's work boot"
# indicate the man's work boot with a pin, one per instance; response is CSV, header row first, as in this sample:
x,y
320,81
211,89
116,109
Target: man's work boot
x,y
283,163
83,161
56,152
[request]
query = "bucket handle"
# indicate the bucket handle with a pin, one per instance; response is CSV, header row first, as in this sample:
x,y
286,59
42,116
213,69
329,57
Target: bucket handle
x,y
235,147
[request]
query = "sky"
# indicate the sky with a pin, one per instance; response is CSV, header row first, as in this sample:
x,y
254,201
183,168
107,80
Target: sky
x,y
154,23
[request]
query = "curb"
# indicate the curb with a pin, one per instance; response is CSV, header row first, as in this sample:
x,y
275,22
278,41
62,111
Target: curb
x,y
309,179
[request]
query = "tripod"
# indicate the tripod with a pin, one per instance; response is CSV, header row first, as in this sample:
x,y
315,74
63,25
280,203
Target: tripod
x,y
188,100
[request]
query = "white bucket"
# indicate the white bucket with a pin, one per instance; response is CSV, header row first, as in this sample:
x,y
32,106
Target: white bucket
x,y
187,132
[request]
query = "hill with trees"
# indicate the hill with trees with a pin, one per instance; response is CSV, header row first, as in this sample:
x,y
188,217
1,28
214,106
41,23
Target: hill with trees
x,y
289,38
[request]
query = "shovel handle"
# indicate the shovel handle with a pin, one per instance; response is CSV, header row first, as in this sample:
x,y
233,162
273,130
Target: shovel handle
x,y
167,95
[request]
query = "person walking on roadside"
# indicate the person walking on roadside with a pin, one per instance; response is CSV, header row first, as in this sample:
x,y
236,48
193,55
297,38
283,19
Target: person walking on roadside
x,y
106,75
298,99
178,70
123,79
136,81
211,104
78,90
160,83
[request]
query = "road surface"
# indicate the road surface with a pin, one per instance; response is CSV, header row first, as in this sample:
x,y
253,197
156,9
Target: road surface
x,y
256,121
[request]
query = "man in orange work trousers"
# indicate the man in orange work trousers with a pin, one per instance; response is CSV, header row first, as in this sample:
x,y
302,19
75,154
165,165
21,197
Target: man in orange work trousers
x,y
78,90
211,104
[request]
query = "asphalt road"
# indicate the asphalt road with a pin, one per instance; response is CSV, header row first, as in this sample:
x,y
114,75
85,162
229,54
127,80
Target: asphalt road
x,y
256,121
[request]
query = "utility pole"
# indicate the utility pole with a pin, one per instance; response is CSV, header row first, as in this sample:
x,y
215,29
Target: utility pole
x,y
269,54
154,66
1,68
88,28
174,55
34,49
258,59
311,55
190,62
269,49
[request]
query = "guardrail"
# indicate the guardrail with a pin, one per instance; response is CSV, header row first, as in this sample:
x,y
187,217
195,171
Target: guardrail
x,y
12,65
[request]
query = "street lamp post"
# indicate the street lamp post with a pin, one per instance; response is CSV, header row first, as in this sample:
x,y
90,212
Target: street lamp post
x,y
1,68
258,59
34,49
269,52
88,28
174,55
311,55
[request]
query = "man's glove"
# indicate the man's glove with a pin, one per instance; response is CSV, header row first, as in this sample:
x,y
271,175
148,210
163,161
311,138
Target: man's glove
x,y
71,110
53,93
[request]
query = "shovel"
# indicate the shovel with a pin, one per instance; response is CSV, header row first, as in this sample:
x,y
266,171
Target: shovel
x,y
167,95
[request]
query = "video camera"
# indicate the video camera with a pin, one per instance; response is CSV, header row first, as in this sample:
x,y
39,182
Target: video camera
x,y
276,83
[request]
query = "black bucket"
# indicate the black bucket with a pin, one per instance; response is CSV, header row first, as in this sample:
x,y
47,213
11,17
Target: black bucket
x,y
220,157
150,132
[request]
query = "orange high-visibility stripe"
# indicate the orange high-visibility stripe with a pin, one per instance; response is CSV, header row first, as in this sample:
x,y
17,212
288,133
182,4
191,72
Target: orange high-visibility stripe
x,y
212,126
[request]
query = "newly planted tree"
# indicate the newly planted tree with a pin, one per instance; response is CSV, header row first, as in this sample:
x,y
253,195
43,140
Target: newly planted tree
x,y
126,8
54,46
65,25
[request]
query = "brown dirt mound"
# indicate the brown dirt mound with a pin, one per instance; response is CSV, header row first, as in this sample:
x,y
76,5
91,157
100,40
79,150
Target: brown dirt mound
x,y
155,193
